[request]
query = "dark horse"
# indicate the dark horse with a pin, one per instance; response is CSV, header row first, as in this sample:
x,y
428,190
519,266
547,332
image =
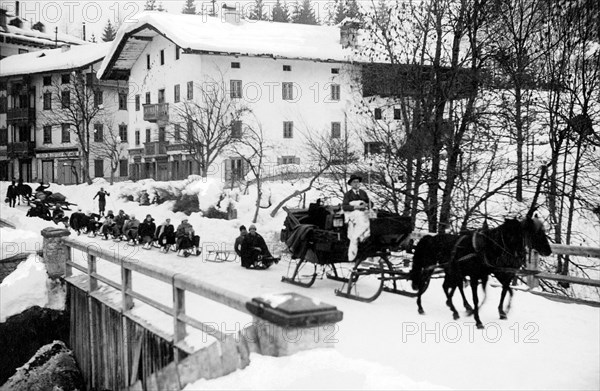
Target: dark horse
x,y
433,252
500,251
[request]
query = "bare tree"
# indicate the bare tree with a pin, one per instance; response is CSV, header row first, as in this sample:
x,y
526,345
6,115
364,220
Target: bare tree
x,y
111,148
72,104
252,147
209,123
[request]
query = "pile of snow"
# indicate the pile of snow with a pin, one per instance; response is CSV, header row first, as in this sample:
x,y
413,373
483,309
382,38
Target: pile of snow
x,y
17,241
24,288
318,369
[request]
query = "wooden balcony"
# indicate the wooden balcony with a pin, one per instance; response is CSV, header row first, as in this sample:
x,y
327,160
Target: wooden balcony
x,y
23,149
177,147
26,115
136,151
156,112
155,148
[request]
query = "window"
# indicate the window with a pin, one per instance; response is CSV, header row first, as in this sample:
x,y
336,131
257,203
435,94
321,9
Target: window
x,y
234,169
236,129
137,137
288,129
176,93
177,133
137,103
161,96
373,147
123,166
98,133
377,114
161,134
122,101
287,91
99,168
98,98
47,134
47,101
65,78
47,81
3,104
147,61
335,71
3,86
147,98
90,78
190,130
123,133
335,92
190,90
236,89
336,130
177,52
288,160
65,99
147,135
65,134
235,65
397,114
4,136
287,68
162,57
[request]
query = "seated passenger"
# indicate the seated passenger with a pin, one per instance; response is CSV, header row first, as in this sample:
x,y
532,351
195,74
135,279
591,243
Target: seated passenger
x,y
254,251
119,222
108,226
165,234
93,223
58,216
130,230
187,239
146,231
238,241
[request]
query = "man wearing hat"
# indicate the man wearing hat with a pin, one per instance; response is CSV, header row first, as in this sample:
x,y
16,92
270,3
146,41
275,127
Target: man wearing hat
x,y
355,194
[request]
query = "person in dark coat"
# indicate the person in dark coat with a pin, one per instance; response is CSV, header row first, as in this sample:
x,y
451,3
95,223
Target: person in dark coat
x,y
119,222
146,231
131,229
93,223
77,221
355,194
101,200
254,249
238,241
187,239
58,216
11,194
165,233
109,225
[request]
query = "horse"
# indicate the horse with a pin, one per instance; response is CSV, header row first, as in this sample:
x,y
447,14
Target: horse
x,y
24,190
500,251
430,253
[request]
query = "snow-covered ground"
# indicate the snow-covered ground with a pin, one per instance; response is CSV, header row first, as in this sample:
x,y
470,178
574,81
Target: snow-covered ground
x,y
383,344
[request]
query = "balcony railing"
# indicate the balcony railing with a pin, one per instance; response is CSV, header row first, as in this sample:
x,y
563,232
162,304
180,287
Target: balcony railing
x,y
156,112
155,148
136,151
177,147
20,115
23,149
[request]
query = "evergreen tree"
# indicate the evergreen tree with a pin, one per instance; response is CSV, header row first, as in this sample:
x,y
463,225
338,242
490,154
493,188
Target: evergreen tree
x,y
280,13
304,14
189,7
258,11
109,32
150,5
346,9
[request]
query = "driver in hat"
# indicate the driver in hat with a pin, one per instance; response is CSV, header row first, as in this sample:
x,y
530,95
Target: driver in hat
x,y
355,194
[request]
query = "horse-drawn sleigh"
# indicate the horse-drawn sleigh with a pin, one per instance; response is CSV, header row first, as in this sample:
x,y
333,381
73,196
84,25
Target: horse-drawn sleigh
x,y
318,239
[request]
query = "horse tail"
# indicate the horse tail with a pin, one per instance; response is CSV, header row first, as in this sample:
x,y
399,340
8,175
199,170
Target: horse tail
x,y
419,259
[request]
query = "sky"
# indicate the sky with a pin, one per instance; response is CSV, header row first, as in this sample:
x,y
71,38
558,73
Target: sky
x,y
69,15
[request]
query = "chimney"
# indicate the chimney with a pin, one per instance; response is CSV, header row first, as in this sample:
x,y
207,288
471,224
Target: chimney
x,y
348,33
231,14
3,18
17,7
65,48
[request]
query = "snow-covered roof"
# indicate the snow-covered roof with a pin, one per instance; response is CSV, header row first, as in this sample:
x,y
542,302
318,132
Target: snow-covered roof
x,y
38,38
207,34
50,60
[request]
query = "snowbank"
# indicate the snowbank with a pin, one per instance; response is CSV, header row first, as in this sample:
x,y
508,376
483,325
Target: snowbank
x,y
23,288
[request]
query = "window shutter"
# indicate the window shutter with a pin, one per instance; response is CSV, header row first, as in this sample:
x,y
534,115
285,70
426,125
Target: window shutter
x,y
296,160
279,160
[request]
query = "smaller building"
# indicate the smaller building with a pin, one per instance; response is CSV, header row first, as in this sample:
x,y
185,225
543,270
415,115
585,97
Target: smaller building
x,y
44,97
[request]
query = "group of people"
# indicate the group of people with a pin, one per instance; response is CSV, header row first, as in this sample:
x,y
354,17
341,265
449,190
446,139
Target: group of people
x,y
253,250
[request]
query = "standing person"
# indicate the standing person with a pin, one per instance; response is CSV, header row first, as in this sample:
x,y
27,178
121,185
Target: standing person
x,y
11,194
355,194
165,233
146,231
238,241
101,200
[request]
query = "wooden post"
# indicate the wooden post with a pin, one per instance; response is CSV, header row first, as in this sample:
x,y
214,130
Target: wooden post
x,y
55,251
533,264
92,281
126,284
179,331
